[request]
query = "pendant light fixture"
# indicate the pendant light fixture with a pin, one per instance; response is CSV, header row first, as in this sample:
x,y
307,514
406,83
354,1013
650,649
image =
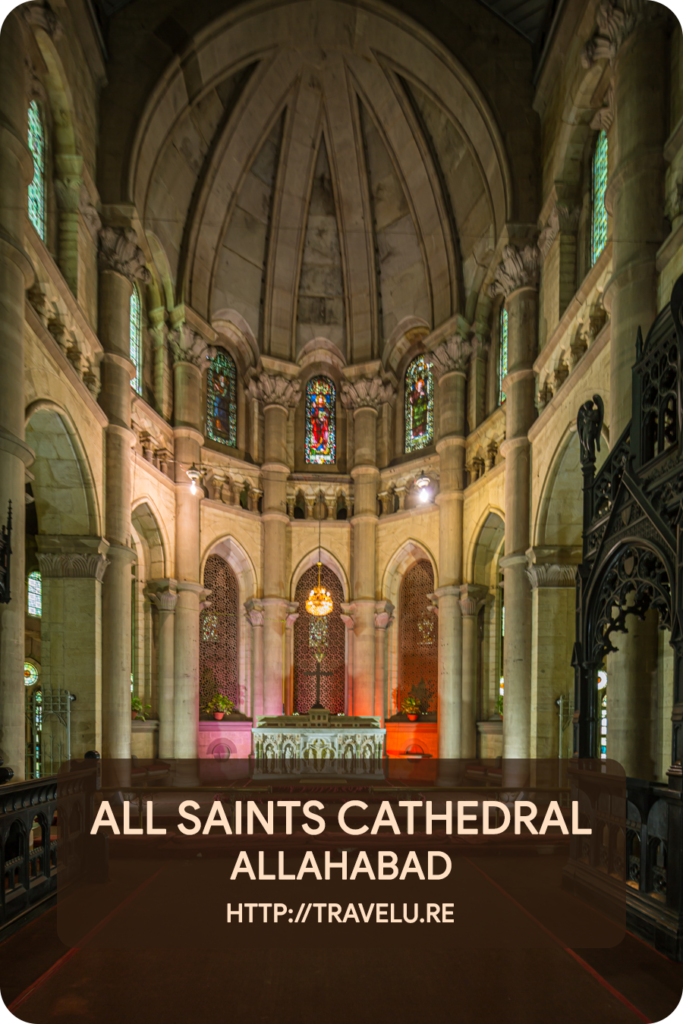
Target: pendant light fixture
x,y
319,601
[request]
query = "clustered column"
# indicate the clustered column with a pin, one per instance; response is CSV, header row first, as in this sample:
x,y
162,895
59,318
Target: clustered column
x,y
634,42
364,397
164,596
16,275
449,362
190,354
278,395
471,600
121,263
516,279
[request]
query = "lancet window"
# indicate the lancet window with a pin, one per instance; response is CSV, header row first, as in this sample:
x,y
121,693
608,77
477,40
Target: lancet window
x,y
221,400
321,427
598,187
502,352
135,335
419,405
36,190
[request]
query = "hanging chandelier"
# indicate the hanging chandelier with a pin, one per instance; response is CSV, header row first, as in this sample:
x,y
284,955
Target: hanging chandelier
x,y
319,601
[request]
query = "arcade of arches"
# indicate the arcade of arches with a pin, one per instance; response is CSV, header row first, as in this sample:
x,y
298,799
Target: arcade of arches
x,y
267,271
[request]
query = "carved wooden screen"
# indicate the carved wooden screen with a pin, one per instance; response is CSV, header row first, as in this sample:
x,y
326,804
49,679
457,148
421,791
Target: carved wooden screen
x,y
319,632
219,633
418,638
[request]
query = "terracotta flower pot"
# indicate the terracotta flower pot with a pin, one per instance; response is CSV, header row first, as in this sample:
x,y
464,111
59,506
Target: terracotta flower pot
x,y
218,715
134,714
413,718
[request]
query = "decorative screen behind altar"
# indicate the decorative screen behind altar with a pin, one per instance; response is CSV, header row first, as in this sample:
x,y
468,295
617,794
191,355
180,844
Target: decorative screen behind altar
x,y
218,634
324,636
418,638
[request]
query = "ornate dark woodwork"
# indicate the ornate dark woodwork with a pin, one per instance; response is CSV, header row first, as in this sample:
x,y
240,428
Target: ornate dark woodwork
x,y
5,556
633,563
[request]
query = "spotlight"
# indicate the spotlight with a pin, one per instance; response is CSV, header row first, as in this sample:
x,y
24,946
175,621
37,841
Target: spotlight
x,y
194,473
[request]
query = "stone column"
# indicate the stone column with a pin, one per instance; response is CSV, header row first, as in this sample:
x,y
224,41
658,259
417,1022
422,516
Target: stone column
x,y
121,263
516,279
157,330
553,598
449,362
364,397
72,569
68,186
190,357
289,659
471,599
476,398
255,616
384,616
16,275
278,395
633,37
164,596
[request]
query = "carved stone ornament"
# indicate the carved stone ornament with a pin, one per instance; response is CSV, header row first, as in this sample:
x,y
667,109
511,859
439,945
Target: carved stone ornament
x,y
119,251
384,614
517,269
365,393
163,598
616,20
275,390
452,354
41,15
255,613
551,576
589,426
188,346
91,217
563,218
72,565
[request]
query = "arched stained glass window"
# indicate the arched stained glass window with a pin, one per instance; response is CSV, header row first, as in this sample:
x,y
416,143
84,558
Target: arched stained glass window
x,y
321,427
418,639
419,404
136,338
31,673
221,400
502,352
34,594
36,190
598,187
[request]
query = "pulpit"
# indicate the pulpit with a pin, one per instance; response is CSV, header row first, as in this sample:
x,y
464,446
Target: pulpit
x,y
319,744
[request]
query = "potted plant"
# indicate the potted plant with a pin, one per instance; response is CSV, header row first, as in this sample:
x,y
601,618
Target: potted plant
x,y
219,706
412,708
138,709
499,705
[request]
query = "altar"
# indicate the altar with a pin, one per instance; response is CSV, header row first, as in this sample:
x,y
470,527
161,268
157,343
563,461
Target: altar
x,y
319,744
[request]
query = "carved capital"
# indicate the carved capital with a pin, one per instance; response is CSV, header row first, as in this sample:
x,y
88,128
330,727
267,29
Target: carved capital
x,y
453,354
255,612
59,565
365,393
187,346
384,614
274,389
471,598
517,269
41,15
163,594
551,575
68,192
616,20
120,252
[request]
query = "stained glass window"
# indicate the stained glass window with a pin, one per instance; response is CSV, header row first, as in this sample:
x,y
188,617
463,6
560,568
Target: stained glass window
x,y
34,591
418,639
30,673
36,190
419,404
321,433
598,187
502,352
221,400
136,338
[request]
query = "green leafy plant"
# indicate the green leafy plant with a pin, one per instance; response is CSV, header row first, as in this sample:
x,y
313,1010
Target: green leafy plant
x,y
139,709
411,706
219,704
499,704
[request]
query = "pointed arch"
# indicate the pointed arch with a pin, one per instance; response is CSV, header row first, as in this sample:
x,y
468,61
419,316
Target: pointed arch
x,y
149,526
404,558
327,558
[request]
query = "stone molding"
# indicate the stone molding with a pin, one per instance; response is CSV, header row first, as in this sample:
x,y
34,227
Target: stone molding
x,y
551,575
120,252
518,268
616,20
481,346
273,389
41,15
255,612
72,565
472,596
188,346
563,218
163,594
365,393
91,217
452,355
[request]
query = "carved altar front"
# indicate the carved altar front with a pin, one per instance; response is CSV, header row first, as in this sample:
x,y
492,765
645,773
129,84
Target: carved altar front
x,y
319,744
